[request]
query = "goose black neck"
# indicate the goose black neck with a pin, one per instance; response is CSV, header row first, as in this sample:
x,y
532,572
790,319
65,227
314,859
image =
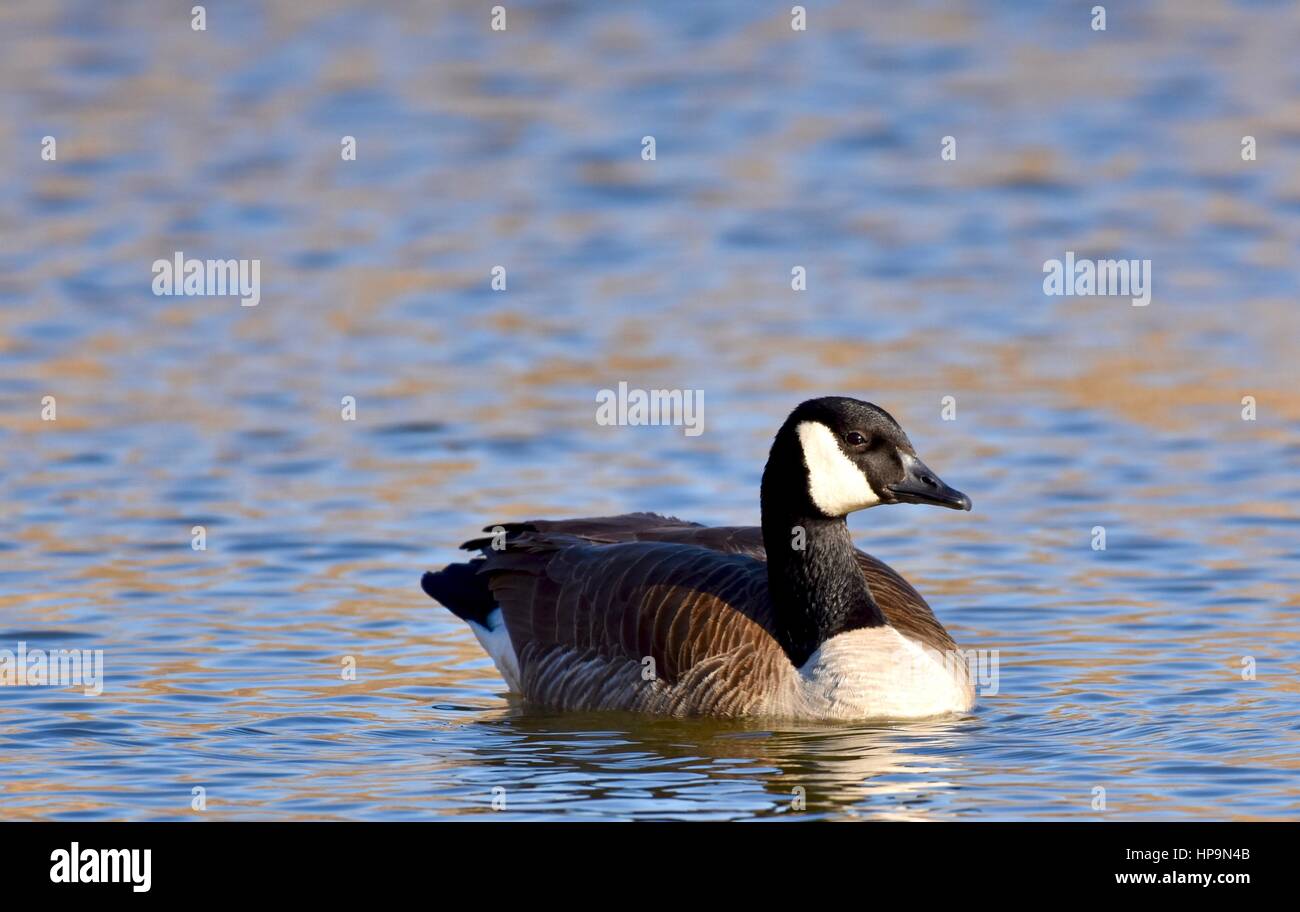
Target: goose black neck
x,y
817,590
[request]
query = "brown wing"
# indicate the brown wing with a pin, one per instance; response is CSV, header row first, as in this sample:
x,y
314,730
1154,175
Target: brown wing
x,y
656,625
902,605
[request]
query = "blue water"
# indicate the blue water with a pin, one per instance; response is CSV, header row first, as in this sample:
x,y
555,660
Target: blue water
x,y
1126,670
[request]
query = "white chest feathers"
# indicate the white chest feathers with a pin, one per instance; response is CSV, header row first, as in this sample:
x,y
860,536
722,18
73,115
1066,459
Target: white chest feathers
x,y
877,673
835,484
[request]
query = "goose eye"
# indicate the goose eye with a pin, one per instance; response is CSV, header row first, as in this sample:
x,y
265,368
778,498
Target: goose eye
x,y
855,439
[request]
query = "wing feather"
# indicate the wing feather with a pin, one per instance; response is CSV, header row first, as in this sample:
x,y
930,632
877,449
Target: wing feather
x,y
586,601
583,616
902,605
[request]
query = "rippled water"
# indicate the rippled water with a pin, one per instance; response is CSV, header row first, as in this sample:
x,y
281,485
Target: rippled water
x,y
1120,669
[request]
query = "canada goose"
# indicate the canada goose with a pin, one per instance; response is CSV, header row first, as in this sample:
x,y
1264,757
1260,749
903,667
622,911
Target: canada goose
x,y
649,613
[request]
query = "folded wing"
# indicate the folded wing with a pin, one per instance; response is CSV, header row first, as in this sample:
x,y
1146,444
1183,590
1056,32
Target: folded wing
x,y
614,623
902,605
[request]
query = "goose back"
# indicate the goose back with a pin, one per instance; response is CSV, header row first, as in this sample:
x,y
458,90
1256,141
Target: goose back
x,y
656,626
650,613
903,607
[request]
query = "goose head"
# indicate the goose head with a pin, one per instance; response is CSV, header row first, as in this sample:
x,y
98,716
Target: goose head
x,y
836,455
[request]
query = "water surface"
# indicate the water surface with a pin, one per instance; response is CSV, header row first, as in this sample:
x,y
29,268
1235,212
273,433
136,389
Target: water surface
x,y
1119,669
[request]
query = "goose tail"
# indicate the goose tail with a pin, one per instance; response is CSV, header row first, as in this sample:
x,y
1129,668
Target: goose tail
x,y
461,590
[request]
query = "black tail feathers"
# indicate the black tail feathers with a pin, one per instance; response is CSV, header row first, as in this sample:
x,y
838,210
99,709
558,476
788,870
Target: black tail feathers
x,y
462,590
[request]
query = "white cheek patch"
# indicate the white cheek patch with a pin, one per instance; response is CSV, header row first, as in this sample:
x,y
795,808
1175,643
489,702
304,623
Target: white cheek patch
x,y
835,484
